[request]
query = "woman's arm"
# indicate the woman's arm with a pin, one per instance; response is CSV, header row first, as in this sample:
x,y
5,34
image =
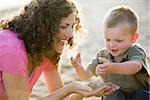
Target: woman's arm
x,y
60,93
73,87
15,86
13,67
53,79
54,82
82,88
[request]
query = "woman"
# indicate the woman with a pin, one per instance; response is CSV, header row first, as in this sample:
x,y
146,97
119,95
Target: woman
x,y
32,43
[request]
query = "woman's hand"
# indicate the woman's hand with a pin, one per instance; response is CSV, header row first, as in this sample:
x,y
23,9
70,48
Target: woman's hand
x,y
82,88
105,89
88,90
100,88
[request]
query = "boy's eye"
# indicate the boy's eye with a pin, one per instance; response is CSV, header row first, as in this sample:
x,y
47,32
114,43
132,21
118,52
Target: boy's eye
x,y
119,40
107,39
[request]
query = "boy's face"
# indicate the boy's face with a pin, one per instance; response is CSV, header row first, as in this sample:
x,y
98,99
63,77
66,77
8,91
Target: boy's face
x,y
118,39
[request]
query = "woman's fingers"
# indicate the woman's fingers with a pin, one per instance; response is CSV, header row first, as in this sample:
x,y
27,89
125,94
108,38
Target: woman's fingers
x,y
102,90
105,89
111,88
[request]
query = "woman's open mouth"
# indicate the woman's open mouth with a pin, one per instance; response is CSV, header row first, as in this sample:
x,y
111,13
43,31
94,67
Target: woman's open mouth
x,y
63,42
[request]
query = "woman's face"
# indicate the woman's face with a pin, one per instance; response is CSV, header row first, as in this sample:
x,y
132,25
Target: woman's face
x,y
66,32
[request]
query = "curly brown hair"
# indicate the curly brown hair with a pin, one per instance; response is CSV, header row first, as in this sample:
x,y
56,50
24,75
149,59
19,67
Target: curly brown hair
x,y
38,25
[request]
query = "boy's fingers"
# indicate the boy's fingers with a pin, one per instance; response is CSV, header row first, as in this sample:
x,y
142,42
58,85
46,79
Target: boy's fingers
x,y
97,71
71,58
78,55
102,60
72,61
100,71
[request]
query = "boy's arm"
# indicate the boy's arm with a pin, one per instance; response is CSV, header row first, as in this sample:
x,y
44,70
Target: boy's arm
x,y
83,74
124,68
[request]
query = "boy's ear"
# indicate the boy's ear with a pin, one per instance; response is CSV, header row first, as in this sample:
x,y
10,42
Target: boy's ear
x,y
134,37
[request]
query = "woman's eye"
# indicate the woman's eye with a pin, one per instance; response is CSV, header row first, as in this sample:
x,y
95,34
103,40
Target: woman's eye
x,y
63,27
73,25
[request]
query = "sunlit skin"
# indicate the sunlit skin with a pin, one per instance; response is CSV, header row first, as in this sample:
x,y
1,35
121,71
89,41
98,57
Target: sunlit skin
x,y
118,39
66,32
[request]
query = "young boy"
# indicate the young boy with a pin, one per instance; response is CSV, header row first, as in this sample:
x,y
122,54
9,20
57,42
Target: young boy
x,y
122,62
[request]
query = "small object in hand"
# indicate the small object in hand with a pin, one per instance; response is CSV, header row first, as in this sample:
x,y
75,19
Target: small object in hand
x,y
95,84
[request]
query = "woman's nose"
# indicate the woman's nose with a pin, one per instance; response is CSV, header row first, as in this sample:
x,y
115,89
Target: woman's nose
x,y
69,33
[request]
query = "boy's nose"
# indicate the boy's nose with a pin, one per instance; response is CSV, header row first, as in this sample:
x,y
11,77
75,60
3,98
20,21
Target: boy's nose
x,y
112,45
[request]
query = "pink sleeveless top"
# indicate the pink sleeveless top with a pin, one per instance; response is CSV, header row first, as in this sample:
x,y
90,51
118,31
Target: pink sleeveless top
x,y
13,59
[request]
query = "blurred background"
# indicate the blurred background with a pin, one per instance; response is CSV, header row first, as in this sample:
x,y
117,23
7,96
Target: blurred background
x,y
92,13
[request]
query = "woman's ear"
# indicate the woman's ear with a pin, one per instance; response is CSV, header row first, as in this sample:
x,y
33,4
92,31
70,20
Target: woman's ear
x,y
134,37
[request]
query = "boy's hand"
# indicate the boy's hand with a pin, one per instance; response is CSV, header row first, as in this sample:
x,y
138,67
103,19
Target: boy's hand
x,y
103,68
76,62
102,60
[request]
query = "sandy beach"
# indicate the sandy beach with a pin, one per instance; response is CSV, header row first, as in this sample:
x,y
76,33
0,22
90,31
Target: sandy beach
x,y
93,12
